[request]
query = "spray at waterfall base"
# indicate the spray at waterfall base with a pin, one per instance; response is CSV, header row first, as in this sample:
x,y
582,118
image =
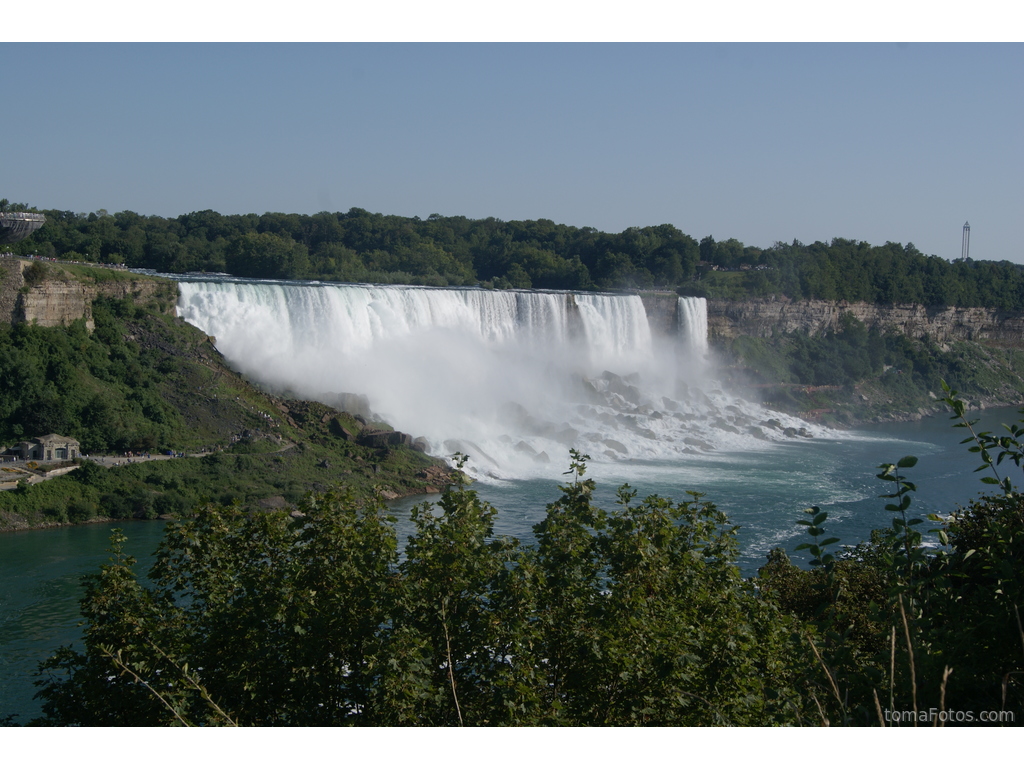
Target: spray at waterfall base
x,y
511,378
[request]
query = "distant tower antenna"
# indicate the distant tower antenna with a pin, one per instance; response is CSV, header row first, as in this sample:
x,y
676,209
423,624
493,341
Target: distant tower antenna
x,y
965,249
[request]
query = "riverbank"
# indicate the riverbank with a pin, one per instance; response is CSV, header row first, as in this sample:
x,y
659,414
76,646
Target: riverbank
x,y
168,488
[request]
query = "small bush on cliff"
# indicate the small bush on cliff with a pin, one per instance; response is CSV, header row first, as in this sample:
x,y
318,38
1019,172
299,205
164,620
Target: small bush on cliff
x,y
35,273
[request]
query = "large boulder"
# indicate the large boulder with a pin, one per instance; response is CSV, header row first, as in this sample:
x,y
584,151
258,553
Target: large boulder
x,y
338,428
380,438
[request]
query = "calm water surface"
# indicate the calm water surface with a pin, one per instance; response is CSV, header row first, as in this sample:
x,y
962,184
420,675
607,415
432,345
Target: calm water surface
x,y
40,586
763,492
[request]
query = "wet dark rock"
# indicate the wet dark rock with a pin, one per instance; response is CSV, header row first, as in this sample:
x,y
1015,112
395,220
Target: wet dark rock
x,y
697,442
374,438
566,436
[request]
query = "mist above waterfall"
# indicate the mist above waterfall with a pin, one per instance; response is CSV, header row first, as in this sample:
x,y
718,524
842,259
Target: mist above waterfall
x,y
512,378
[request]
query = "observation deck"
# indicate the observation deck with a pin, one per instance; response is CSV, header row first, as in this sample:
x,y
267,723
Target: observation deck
x,y
19,225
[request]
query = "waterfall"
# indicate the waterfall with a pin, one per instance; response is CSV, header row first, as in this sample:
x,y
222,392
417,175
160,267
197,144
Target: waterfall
x,y
692,314
513,378
353,318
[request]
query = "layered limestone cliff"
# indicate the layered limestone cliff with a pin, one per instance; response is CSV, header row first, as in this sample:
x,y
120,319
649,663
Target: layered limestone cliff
x,y
662,311
765,318
49,295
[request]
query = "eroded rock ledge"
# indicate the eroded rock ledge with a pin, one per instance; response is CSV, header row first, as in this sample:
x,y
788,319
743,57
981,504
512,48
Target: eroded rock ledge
x,y
60,298
764,318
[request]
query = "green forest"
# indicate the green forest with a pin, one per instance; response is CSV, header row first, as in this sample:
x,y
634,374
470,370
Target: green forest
x,y
359,246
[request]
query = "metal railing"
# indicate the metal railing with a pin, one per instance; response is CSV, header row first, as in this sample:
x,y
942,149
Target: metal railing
x,y
21,216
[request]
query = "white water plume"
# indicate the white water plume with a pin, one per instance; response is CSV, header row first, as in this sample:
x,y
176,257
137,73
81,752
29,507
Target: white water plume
x,y
512,378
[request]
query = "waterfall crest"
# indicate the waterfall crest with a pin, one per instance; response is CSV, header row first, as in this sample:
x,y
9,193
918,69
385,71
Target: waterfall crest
x,y
513,378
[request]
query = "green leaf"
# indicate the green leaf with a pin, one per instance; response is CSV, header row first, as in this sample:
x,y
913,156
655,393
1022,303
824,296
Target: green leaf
x,y
820,518
906,462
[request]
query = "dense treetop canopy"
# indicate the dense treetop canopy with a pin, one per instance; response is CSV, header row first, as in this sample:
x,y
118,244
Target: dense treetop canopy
x,y
359,246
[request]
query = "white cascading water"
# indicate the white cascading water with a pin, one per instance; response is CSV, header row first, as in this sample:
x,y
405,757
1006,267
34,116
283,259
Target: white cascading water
x,y
512,378
692,324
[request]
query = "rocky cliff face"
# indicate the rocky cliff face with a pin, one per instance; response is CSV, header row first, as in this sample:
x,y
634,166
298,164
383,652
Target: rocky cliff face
x,y
662,311
60,297
11,282
765,318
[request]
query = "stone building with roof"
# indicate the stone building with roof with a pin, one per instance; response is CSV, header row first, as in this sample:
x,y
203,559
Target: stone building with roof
x,y
47,448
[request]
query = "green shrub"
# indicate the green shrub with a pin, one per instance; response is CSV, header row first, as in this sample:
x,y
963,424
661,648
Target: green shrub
x,y
79,511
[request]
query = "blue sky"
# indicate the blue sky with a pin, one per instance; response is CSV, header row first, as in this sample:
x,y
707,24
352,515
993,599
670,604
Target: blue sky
x,y
762,142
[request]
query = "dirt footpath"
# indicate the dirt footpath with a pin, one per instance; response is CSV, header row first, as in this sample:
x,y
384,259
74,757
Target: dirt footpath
x,y
11,473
